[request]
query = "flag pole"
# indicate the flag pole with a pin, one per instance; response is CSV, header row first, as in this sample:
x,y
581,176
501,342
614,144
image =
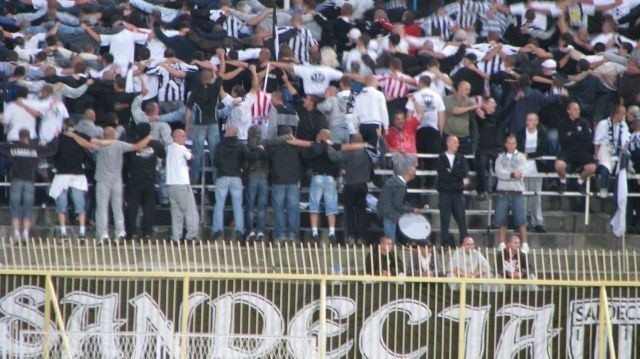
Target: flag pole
x,y
266,78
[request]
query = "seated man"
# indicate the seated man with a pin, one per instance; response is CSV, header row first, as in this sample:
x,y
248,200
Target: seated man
x,y
425,262
513,263
575,140
382,260
466,262
610,142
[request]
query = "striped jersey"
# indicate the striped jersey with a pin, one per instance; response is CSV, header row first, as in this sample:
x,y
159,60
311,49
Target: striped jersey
x,y
393,88
438,25
232,24
465,13
171,88
301,44
260,105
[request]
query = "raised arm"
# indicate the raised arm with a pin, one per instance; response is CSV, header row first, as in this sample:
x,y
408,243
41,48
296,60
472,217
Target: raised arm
x,y
141,144
94,35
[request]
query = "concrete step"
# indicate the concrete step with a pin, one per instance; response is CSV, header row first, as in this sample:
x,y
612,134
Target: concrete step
x,y
578,240
563,221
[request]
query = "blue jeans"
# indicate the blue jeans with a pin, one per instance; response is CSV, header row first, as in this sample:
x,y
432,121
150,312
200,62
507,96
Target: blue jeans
x,y
389,227
77,196
285,197
516,204
553,140
225,185
323,186
258,190
21,199
340,134
201,132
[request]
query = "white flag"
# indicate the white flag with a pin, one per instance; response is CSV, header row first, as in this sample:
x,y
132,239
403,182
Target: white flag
x,y
619,220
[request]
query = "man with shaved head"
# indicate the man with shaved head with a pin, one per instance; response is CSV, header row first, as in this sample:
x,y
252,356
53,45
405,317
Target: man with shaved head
x,y
108,177
183,204
371,111
452,170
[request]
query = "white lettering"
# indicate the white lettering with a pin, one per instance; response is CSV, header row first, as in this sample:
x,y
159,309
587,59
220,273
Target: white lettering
x,y
150,319
623,312
302,324
224,312
539,342
372,343
22,305
475,320
105,322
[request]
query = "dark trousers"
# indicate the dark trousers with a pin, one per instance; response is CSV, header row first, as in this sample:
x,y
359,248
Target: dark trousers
x,y
137,196
429,140
451,203
355,208
369,132
483,155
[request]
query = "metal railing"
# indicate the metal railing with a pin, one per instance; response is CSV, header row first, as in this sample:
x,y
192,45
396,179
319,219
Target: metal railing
x,y
65,256
488,211
158,298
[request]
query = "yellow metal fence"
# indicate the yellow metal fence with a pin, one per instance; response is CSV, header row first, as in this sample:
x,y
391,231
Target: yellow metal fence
x,y
221,300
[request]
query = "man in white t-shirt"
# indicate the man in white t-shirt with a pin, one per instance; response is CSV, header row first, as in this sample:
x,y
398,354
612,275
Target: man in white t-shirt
x,y
315,79
370,110
121,44
20,115
183,204
429,134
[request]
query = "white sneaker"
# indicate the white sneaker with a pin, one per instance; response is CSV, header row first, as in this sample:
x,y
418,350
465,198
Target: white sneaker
x,y
603,193
15,238
525,248
501,246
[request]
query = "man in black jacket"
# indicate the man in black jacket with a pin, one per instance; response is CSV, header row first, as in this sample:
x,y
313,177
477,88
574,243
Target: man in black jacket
x,y
532,142
311,119
323,182
452,170
286,165
575,141
24,156
357,172
391,204
230,156
200,120
382,260
490,140
141,174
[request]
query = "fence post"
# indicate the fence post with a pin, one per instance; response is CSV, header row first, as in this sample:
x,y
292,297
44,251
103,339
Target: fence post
x,y
184,315
322,334
50,293
587,202
605,332
203,182
463,322
47,317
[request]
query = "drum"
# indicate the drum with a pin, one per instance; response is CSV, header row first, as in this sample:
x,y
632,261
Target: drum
x,y
414,227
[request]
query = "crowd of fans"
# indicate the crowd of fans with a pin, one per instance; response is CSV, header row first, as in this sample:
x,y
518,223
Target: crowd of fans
x,y
113,91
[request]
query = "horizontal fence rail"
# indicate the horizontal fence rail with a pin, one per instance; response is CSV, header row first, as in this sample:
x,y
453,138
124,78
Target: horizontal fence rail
x,y
267,258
